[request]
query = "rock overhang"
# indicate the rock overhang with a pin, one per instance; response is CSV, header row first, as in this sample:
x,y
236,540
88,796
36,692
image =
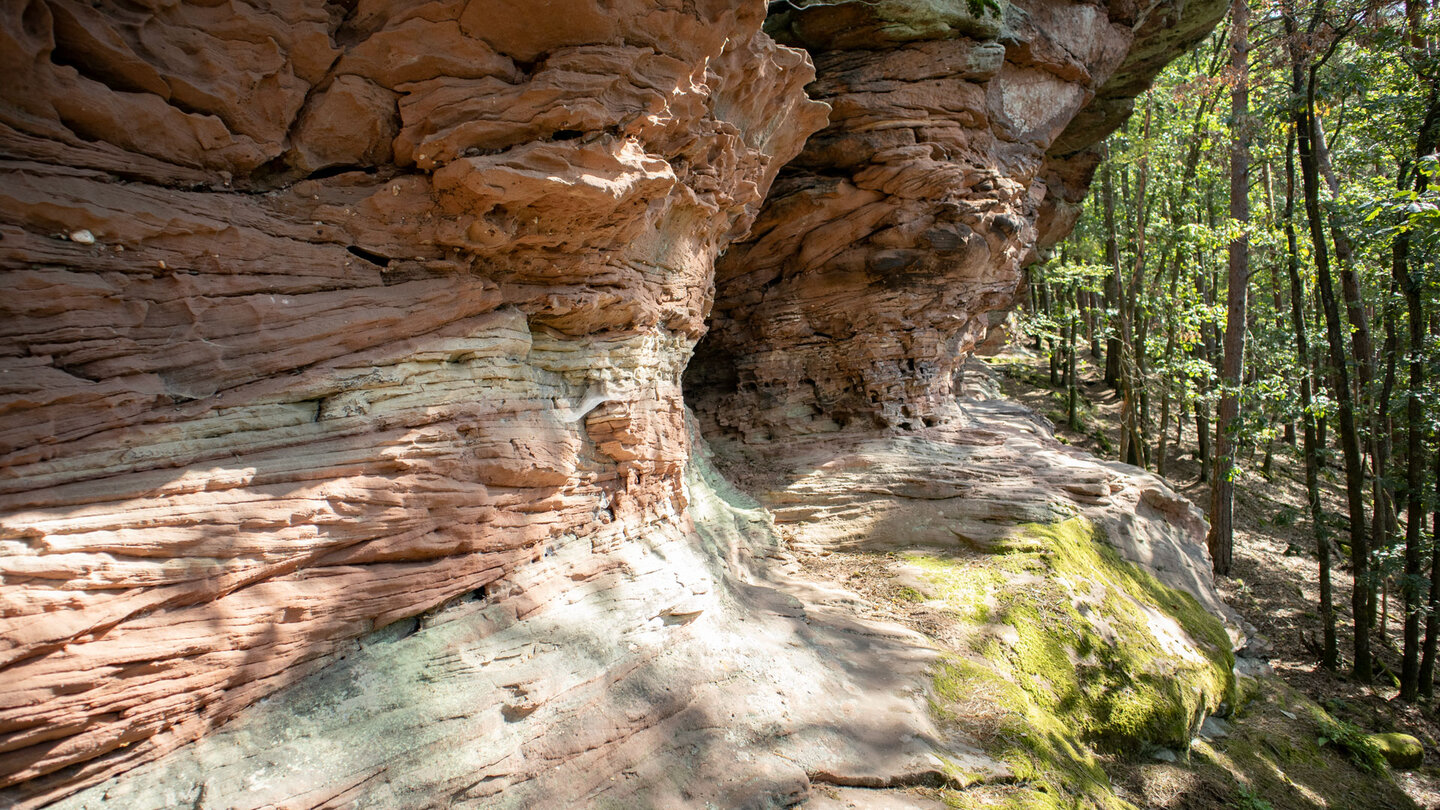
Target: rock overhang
x,y
329,357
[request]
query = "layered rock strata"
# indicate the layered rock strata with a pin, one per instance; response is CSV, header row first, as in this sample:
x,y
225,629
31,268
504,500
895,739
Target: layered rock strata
x,y
320,316
960,142
707,666
701,671
965,490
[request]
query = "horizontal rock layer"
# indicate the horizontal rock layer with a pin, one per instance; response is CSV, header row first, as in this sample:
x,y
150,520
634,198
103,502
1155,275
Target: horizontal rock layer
x,y
324,316
961,140
703,667
320,317
698,671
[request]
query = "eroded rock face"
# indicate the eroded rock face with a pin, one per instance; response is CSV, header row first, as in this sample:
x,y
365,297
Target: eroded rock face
x,y
319,316
718,665
966,489
959,145
699,671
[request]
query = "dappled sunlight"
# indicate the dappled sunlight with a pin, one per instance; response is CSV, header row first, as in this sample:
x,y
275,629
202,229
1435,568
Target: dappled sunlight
x,y
744,672
238,550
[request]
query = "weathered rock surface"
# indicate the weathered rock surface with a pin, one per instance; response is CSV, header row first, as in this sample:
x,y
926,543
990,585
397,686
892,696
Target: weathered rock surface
x,y
695,672
967,486
322,316
704,669
961,139
318,317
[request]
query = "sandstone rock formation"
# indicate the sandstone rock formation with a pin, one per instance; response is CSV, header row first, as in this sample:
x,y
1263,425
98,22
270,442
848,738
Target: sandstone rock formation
x,y
694,671
703,668
961,139
967,487
322,316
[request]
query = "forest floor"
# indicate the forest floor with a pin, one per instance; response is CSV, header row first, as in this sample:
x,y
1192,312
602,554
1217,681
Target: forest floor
x,y
1274,583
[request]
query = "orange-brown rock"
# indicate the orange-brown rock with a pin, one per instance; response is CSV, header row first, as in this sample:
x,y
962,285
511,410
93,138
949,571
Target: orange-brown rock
x,y
706,666
318,316
961,140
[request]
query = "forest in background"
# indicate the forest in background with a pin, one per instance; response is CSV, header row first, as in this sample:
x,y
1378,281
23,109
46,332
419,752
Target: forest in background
x,y
1256,270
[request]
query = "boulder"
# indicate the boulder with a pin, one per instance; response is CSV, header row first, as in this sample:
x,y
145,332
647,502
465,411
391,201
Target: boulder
x,y
1402,751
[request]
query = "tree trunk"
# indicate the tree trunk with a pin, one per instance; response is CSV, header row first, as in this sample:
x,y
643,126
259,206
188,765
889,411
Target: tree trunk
x,y
1072,392
1091,333
1132,325
1277,299
1330,651
1432,622
1117,352
1047,308
1382,501
1207,349
1112,280
1162,451
1410,281
1034,286
1362,349
1222,487
1361,603
1427,142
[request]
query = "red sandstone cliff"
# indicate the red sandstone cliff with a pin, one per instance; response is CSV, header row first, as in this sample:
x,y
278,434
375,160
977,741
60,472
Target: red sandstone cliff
x,y
319,316
958,148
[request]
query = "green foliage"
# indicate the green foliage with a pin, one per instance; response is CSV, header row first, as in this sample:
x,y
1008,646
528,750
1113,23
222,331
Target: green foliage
x,y
1285,516
980,8
1145,269
1348,737
1171,243
1249,800
1102,442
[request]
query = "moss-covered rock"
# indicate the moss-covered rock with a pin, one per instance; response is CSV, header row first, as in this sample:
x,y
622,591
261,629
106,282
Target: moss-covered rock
x,y
1345,736
1083,652
1282,751
1402,751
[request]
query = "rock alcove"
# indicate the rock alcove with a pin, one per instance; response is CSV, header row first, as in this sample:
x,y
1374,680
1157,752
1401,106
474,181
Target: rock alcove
x,y
345,456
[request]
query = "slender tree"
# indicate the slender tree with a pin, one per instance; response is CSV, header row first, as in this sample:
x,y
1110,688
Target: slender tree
x,y
1408,279
1330,650
1222,486
1432,623
1305,73
1112,281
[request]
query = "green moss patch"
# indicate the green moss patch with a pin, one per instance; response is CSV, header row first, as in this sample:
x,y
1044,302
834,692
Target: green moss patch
x,y
1402,751
1081,653
1278,755
1051,766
